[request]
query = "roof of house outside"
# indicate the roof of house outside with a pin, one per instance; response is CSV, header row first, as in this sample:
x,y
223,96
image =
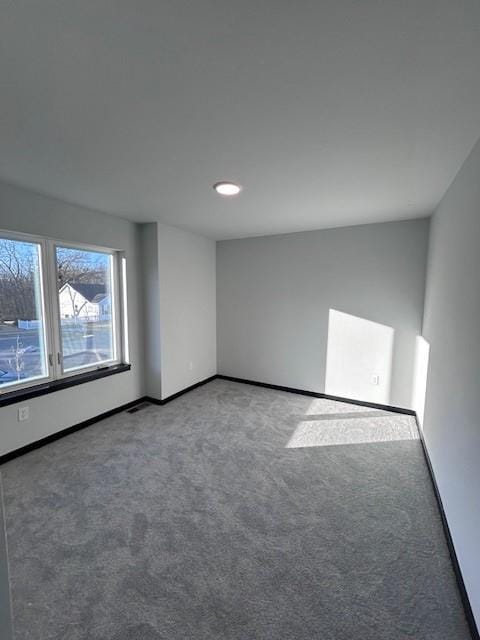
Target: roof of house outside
x,y
90,291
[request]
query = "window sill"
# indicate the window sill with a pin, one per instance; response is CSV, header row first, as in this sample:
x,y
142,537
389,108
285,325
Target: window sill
x,y
20,395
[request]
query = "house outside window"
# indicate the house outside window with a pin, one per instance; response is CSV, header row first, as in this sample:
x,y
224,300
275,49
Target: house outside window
x,y
61,311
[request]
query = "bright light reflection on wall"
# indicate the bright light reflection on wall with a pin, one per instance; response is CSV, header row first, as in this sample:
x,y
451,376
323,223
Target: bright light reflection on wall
x,y
359,358
420,376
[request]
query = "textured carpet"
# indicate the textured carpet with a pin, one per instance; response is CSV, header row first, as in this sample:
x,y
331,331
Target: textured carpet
x,y
233,512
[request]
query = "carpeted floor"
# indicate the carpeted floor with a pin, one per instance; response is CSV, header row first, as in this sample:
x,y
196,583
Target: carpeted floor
x,y
233,513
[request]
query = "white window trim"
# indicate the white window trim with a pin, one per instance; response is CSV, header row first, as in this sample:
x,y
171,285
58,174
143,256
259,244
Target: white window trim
x,y
51,309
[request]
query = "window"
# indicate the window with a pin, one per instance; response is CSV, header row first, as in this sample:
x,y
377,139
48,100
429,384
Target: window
x,y
23,355
86,303
61,311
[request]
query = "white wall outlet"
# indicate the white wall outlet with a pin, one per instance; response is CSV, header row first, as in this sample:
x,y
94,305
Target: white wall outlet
x,y
376,380
23,413
190,366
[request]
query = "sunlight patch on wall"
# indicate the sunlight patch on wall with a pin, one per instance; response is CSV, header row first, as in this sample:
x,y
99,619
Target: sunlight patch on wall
x,y
420,376
359,358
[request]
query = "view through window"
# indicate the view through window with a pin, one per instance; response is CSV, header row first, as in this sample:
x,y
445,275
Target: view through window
x,y
85,304
22,323
59,312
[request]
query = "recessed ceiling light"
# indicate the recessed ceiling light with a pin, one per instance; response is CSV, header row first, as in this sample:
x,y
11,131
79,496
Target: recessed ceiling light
x,y
227,188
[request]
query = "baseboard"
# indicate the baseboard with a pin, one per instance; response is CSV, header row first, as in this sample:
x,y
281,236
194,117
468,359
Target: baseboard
x,y
448,536
6,457
180,393
315,394
86,423
472,624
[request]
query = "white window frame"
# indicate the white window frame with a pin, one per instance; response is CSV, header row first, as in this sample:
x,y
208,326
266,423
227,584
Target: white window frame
x,y
116,313
50,306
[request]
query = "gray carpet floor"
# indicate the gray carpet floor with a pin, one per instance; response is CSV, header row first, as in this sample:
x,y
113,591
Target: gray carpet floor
x,y
233,513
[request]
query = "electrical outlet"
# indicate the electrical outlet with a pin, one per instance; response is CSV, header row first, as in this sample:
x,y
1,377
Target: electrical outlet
x,y
190,366
376,380
23,413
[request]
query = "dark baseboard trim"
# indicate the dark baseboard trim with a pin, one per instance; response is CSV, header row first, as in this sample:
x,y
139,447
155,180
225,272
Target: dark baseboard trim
x,y
86,423
66,432
448,537
180,393
315,394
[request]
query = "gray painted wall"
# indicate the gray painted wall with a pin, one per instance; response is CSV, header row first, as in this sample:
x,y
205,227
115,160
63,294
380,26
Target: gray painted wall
x,y
274,294
186,267
179,280
6,631
27,212
452,327
151,310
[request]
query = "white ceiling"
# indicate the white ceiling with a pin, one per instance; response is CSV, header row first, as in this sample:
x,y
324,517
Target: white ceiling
x,y
329,112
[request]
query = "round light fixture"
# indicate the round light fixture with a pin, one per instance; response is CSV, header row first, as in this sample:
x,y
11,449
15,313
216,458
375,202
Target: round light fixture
x,y
227,188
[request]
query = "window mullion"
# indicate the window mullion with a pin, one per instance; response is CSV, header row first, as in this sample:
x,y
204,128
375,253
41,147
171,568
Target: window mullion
x,y
45,295
122,307
52,310
117,307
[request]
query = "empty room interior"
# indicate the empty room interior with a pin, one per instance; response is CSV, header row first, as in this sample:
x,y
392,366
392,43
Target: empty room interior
x,y
239,320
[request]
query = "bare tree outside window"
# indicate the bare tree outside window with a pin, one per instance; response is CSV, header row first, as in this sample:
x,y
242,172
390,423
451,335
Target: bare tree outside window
x,y
17,281
74,265
58,309
85,302
17,359
22,347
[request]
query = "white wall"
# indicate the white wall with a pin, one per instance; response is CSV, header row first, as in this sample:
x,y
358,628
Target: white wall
x,y
27,212
452,327
151,310
274,295
358,350
186,267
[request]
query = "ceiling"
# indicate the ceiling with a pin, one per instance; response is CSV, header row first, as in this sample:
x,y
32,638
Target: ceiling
x,y
328,112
